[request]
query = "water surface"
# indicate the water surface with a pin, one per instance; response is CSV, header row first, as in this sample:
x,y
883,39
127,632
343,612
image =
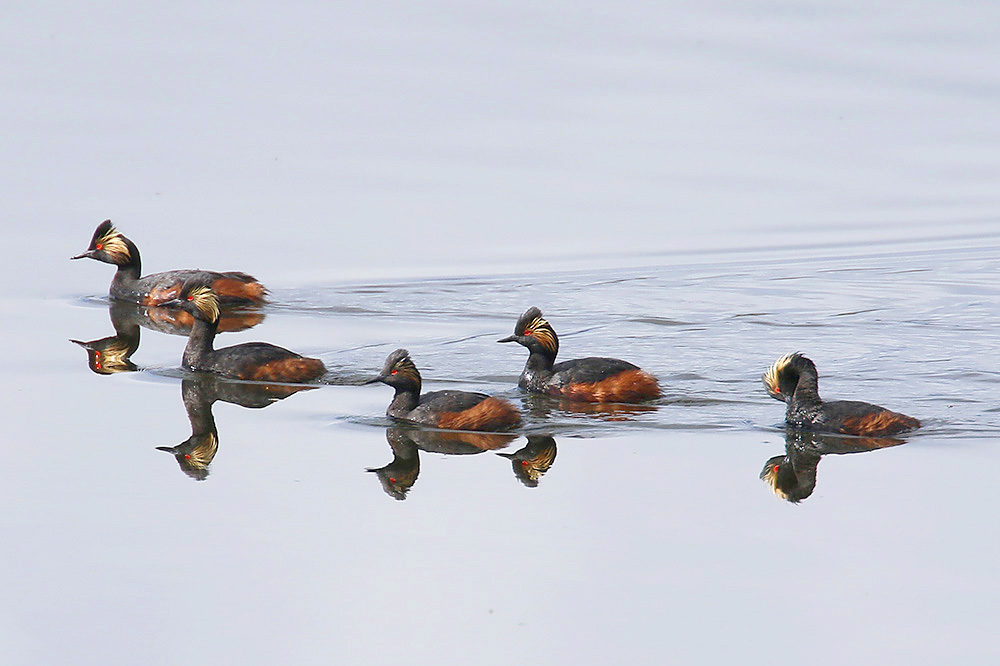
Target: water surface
x,y
695,189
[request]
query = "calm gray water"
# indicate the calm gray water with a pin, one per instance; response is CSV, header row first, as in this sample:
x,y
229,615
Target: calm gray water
x,y
697,189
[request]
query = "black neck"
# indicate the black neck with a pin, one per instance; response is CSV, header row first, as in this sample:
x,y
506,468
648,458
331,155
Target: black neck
x,y
133,267
199,343
807,388
406,400
539,361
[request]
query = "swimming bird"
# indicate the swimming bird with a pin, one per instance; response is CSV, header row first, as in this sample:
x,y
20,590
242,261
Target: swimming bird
x,y
111,247
257,361
454,410
593,379
793,380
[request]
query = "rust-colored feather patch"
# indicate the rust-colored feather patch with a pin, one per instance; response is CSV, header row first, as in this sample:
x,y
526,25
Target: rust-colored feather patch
x,y
230,289
490,414
287,370
878,424
627,386
160,295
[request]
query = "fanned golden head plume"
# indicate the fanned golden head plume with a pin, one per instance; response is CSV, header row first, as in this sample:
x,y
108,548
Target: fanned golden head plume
x,y
773,377
108,239
206,302
532,324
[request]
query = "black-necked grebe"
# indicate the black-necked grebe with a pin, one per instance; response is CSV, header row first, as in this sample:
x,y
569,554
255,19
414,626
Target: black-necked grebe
x,y
255,361
111,247
453,410
586,379
793,380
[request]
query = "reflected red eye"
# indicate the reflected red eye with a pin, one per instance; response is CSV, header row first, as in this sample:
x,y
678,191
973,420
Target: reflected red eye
x,y
392,479
524,463
187,456
777,389
394,372
776,467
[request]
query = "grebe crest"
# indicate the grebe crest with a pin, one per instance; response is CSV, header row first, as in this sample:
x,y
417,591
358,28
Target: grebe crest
x,y
108,240
780,379
399,369
205,302
533,326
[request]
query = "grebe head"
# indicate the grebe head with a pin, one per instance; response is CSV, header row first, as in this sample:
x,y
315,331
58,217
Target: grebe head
x,y
109,246
782,377
535,333
199,300
399,372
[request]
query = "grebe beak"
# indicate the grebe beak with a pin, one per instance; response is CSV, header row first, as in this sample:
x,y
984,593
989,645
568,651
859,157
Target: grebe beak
x,y
89,254
509,338
373,380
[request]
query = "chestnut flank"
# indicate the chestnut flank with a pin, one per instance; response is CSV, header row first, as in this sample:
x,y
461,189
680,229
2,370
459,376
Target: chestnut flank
x,y
878,424
627,386
490,414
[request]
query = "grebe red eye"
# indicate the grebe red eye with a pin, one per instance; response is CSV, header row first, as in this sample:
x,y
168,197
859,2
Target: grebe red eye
x,y
524,463
187,456
394,372
527,332
190,298
100,246
392,479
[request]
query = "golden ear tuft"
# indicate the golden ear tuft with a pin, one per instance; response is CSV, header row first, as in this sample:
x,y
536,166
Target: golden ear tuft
x,y
206,301
541,330
112,243
772,378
